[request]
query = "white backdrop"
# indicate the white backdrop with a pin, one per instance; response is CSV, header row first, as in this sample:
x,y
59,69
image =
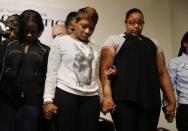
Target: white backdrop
x,y
50,14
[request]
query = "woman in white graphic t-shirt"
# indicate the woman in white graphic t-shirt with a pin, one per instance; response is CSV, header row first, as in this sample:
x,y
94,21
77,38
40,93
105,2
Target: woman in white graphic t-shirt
x,y
71,89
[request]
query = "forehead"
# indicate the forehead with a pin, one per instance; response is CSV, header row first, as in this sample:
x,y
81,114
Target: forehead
x,y
71,23
86,21
136,15
31,24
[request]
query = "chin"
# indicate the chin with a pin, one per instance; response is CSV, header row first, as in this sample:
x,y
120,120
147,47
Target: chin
x,y
135,35
30,41
84,39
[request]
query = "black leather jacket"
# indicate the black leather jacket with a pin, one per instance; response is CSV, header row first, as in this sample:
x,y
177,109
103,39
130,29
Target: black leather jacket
x,y
23,73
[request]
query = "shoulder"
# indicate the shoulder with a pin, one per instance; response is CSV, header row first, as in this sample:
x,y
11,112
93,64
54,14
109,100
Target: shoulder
x,y
115,37
153,40
64,39
63,43
157,44
95,45
43,47
175,61
92,42
179,59
9,41
114,40
58,40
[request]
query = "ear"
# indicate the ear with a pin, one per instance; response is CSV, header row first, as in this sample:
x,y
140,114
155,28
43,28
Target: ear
x,y
74,23
185,45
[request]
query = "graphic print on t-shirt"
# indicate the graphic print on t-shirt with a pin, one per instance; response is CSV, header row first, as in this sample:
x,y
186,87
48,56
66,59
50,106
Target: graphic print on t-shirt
x,y
82,67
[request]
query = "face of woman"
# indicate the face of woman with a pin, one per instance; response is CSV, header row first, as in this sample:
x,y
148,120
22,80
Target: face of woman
x,y
31,32
70,27
84,28
134,24
185,44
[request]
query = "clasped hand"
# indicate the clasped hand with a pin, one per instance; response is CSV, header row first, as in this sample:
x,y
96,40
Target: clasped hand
x,y
169,112
108,105
49,110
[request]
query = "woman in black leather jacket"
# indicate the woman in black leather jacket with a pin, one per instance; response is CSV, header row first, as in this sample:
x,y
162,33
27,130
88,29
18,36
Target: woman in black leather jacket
x,y
23,63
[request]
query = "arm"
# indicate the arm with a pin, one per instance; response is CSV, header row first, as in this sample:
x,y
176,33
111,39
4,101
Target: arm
x,y
172,67
44,66
3,53
106,61
54,62
3,48
166,87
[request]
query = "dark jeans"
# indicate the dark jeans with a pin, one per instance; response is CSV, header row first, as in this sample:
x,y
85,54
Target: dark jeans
x,y
76,113
129,116
22,118
7,117
182,117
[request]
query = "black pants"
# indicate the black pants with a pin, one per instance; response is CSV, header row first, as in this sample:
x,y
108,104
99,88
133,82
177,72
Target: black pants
x,y
182,117
76,113
129,116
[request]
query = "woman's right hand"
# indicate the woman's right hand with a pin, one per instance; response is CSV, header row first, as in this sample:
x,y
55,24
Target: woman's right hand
x,y
169,112
108,105
49,110
112,71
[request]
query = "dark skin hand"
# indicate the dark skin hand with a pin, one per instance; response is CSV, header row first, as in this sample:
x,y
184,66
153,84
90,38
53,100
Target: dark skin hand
x,y
49,110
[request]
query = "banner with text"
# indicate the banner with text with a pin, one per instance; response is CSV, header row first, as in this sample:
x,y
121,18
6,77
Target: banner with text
x,y
51,15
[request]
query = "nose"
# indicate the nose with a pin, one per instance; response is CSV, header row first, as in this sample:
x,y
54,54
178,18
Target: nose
x,y
87,30
136,25
29,34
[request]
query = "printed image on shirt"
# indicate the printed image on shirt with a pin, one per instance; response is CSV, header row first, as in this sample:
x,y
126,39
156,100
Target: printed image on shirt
x,y
82,67
183,66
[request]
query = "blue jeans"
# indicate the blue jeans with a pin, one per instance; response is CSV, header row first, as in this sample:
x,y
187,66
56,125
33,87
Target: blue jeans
x,y
23,118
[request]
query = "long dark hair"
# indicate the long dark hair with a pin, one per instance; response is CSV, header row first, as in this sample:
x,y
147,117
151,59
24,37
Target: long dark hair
x,y
26,16
184,40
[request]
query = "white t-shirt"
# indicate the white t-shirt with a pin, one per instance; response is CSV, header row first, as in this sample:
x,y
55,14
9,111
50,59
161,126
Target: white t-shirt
x,y
117,40
72,67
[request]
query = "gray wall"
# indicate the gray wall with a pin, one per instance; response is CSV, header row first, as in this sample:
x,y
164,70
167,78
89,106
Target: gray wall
x,y
179,22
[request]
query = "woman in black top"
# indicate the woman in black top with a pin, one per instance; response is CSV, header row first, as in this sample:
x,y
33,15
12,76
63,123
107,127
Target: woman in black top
x,y
23,72
133,95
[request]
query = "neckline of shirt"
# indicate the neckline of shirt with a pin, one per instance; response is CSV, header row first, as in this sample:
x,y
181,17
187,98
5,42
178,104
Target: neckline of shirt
x,y
79,42
184,55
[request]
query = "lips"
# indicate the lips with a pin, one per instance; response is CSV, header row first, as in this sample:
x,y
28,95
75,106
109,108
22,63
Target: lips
x,y
136,31
86,36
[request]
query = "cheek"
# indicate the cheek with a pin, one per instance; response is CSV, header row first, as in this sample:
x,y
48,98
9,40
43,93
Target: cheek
x,y
141,28
129,29
79,31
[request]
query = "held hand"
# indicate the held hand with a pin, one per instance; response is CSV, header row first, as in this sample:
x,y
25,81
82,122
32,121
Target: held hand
x,y
112,71
169,112
49,110
108,105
